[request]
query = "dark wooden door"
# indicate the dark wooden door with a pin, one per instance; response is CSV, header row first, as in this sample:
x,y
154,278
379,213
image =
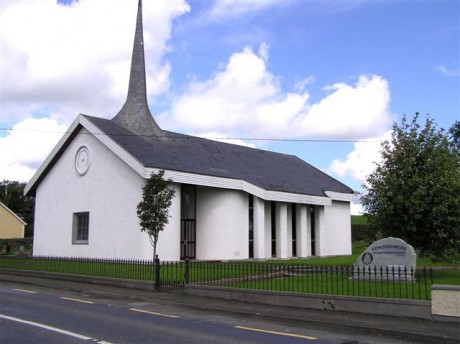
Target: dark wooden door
x,y
188,239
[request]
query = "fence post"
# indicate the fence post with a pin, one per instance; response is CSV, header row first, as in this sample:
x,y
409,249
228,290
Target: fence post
x,y
157,273
187,271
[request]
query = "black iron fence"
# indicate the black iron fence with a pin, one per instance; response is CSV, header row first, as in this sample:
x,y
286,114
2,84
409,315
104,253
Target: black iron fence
x,y
390,282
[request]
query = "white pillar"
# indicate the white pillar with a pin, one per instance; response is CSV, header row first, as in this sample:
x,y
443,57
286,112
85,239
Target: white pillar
x,y
281,230
302,240
168,247
319,230
259,228
289,229
268,230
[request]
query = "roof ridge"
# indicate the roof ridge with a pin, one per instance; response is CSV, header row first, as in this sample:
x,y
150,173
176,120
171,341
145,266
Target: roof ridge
x,y
135,114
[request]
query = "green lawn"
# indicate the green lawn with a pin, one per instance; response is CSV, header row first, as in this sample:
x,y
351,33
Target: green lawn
x,y
330,275
450,276
343,284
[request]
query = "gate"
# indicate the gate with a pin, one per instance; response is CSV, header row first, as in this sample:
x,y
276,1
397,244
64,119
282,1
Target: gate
x,y
170,276
187,239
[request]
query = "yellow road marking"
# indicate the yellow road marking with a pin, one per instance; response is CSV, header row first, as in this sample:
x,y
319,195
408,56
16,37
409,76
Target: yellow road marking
x,y
26,291
275,332
153,313
77,300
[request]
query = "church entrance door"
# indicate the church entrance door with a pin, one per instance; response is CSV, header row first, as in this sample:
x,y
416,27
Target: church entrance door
x,y
188,222
187,239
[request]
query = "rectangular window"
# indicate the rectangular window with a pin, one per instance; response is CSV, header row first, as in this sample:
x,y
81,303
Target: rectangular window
x,y
312,230
80,228
294,230
273,225
251,226
188,201
188,222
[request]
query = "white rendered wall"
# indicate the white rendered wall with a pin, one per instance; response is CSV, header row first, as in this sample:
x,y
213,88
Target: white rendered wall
x,y
259,228
302,237
109,191
289,230
281,230
309,219
319,229
168,247
336,231
222,224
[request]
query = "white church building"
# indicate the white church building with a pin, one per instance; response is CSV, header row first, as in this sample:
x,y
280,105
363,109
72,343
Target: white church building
x,y
231,202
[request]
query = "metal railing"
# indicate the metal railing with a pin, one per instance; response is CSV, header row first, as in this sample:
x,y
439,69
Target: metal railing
x,y
394,282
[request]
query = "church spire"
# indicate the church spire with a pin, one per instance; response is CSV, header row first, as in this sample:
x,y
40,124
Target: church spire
x,y
135,114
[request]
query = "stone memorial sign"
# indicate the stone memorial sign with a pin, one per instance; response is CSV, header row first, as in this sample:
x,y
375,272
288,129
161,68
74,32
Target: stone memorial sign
x,y
387,258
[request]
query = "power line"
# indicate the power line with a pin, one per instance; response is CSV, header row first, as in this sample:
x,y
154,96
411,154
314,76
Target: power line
x,y
185,137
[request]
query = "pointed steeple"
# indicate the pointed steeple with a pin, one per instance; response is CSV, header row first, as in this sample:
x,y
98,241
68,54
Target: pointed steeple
x,y
135,114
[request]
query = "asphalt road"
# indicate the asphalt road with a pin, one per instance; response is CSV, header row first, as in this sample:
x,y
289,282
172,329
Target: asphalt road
x,y
32,315
37,314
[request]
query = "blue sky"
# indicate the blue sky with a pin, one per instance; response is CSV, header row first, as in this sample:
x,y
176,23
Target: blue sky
x,y
265,70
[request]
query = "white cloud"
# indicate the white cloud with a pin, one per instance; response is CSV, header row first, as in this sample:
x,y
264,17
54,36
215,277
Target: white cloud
x,y
229,97
356,209
244,98
351,111
61,60
263,51
361,161
26,146
227,9
77,56
448,72
235,9
301,85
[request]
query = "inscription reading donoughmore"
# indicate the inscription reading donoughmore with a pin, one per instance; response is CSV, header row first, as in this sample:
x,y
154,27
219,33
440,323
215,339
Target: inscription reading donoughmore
x,y
387,255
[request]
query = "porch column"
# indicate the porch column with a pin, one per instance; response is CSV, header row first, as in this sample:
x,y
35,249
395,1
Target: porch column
x,y
281,231
259,228
268,230
319,230
309,220
289,229
302,237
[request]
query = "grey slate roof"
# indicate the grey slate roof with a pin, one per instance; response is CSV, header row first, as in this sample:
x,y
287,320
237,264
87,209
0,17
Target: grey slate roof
x,y
178,152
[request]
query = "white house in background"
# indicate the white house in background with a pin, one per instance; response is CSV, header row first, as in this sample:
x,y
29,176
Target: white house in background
x,y
231,202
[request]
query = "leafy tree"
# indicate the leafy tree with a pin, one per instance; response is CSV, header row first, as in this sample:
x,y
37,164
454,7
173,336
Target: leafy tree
x,y
12,195
414,192
454,133
153,209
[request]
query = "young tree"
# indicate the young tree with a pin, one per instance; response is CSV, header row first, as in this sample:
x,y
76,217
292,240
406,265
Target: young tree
x,y
414,192
153,209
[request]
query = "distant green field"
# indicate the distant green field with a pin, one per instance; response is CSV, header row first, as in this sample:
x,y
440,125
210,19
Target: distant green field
x,y
359,220
358,247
